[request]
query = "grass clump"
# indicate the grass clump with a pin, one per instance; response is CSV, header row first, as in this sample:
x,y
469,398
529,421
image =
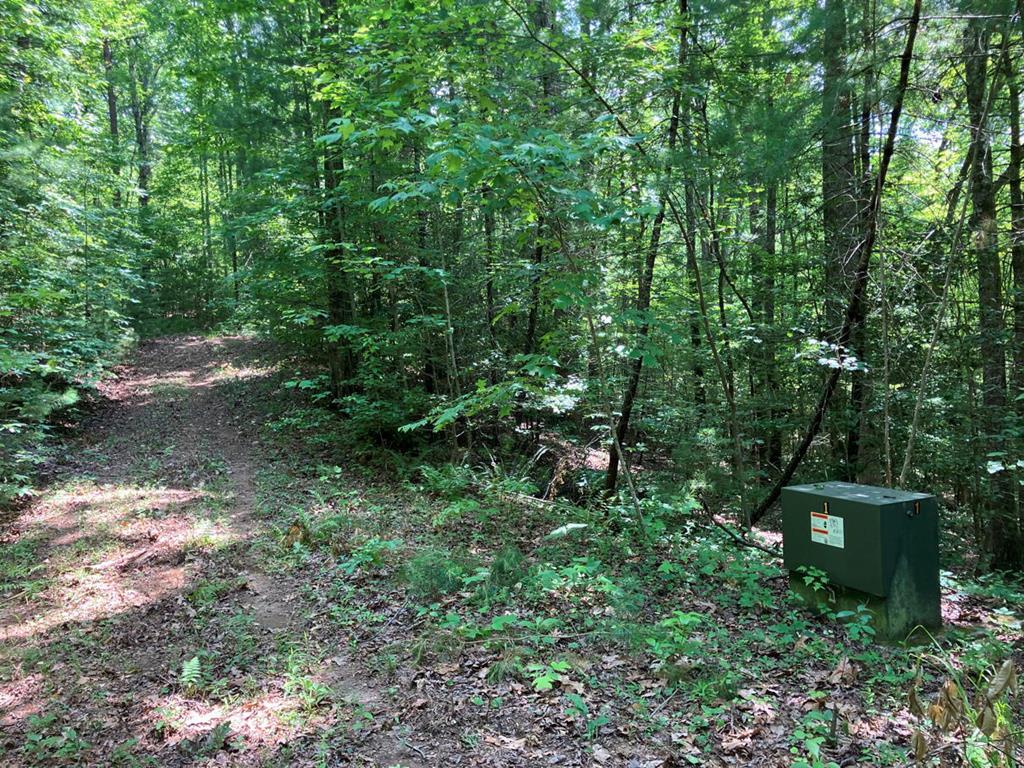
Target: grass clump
x,y
434,572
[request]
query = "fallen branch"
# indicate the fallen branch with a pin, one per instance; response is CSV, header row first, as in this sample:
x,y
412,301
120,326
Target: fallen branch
x,y
735,537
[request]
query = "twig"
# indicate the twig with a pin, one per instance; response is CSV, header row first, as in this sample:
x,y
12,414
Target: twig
x,y
736,538
664,702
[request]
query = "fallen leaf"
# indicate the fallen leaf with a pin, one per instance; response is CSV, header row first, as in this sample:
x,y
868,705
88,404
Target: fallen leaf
x,y
1005,679
920,746
844,673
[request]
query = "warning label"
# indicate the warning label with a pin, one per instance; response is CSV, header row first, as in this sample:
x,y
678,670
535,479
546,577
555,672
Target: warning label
x,y
827,529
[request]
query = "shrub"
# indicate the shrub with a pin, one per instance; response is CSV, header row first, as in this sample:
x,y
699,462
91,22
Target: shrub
x,y
434,572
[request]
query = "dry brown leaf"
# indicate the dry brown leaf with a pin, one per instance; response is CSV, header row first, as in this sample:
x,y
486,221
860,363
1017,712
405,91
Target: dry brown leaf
x,y
845,672
1005,679
939,715
920,746
949,705
738,741
507,742
987,720
914,702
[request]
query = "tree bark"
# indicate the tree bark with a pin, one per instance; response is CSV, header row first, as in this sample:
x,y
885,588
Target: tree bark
x,y
1004,543
646,277
841,217
340,300
142,105
115,137
862,256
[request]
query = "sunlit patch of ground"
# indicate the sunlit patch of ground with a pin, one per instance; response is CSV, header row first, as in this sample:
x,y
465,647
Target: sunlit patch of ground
x,y
257,722
137,563
111,549
20,698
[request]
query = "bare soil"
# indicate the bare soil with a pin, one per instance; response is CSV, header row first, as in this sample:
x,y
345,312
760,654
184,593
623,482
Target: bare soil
x,y
153,503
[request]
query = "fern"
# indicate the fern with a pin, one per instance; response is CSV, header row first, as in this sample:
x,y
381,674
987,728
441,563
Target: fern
x,y
191,675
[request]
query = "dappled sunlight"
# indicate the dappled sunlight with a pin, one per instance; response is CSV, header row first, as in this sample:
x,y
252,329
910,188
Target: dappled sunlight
x,y
20,698
117,562
265,719
111,549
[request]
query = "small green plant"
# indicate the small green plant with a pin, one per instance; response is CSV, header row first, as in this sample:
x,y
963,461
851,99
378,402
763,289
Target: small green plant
x,y
544,676
808,738
858,623
47,742
206,593
507,569
125,756
310,692
372,552
815,578
577,707
674,636
19,565
449,481
191,676
432,573
212,742
455,511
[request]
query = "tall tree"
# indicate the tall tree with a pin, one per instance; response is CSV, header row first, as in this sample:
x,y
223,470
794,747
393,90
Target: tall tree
x,y
1004,531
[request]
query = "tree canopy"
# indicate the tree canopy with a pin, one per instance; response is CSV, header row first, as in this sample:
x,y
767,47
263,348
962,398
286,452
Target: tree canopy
x,y
710,245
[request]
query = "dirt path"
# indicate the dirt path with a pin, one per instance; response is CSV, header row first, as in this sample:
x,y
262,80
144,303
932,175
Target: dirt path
x,y
140,626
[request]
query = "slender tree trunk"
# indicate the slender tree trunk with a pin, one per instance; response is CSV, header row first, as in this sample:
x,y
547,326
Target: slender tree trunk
x,y
646,277
141,108
489,263
841,215
1004,537
1016,242
762,267
204,198
536,266
696,366
115,137
340,299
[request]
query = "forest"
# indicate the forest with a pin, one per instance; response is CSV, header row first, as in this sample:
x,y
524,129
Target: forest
x,y
415,382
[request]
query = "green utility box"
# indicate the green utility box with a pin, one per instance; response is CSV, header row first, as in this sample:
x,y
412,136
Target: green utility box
x,y
879,548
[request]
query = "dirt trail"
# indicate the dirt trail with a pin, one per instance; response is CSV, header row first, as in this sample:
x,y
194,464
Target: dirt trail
x,y
143,556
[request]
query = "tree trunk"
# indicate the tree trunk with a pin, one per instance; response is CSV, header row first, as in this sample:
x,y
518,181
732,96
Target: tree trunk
x,y
1004,543
489,263
141,108
762,267
115,137
696,366
646,277
1017,241
841,217
340,299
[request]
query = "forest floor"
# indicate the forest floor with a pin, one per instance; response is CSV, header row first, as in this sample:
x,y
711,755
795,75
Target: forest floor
x,y
208,580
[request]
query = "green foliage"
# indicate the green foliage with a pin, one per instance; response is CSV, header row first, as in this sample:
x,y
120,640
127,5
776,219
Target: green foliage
x,y
371,553
67,258
48,741
190,678
431,573
21,570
